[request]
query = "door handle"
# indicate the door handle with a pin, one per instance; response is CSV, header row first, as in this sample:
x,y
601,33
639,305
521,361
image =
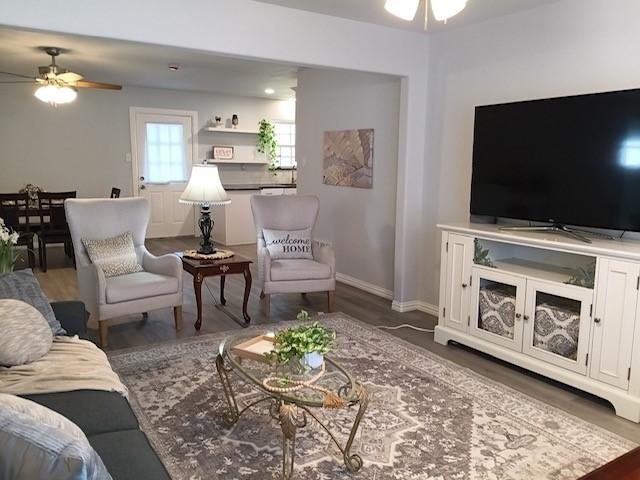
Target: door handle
x,y
464,285
518,316
526,317
142,178
596,320
142,187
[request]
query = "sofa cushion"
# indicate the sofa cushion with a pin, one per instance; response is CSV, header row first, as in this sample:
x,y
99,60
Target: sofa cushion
x,y
22,285
26,336
139,285
94,411
128,455
114,256
299,269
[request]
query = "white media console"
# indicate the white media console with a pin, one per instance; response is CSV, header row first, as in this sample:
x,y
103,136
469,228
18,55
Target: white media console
x,y
559,307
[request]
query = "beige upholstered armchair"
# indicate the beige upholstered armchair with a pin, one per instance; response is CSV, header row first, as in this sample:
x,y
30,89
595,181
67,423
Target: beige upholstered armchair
x,y
292,212
159,285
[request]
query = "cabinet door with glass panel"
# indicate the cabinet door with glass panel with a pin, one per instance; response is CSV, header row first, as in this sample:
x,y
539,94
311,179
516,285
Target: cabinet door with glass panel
x,y
498,301
557,322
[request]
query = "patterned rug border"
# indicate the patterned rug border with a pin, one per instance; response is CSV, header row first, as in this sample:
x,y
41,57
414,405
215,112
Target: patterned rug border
x,y
346,322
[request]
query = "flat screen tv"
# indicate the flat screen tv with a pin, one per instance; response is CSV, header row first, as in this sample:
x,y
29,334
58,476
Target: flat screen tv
x,y
565,161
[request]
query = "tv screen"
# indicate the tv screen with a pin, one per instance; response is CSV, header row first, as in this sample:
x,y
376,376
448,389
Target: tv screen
x,y
571,161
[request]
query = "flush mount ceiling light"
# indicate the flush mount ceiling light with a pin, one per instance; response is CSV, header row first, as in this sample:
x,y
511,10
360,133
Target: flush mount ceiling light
x,y
442,9
269,91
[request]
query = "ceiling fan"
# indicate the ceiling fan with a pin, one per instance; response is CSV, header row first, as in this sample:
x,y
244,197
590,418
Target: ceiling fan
x,y
55,85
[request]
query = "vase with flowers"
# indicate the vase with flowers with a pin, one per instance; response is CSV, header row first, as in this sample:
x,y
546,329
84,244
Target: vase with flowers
x,y
8,254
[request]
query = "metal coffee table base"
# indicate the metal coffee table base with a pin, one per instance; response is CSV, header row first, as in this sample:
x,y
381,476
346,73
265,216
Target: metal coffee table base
x,y
292,416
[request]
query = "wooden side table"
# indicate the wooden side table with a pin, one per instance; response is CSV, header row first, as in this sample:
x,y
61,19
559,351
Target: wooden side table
x,y
200,269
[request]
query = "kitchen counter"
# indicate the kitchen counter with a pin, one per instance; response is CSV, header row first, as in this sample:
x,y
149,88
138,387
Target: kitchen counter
x,y
257,186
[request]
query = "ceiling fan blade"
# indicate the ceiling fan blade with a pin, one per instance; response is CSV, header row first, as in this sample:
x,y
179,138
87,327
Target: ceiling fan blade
x,y
69,77
18,75
17,81
88,84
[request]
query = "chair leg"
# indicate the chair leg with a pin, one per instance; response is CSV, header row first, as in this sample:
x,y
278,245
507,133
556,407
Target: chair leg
x,y
266,298
104,333
31,255
43,256
331,301
177,317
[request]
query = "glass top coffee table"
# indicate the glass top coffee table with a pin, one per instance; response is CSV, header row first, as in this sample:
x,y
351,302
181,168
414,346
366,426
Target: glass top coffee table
x,y
334,387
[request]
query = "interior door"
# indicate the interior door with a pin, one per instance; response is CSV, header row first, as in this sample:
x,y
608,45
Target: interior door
x,y
164,146
458,287
557,322
614,321
497,306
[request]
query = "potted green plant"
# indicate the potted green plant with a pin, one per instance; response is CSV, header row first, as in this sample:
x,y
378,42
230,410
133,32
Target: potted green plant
x,y
307,344
267,143
8,255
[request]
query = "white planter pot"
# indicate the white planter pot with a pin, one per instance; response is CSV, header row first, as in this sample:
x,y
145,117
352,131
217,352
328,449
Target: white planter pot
x,y
312,360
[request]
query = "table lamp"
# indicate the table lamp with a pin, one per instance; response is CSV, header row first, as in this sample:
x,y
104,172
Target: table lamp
x,y
205,189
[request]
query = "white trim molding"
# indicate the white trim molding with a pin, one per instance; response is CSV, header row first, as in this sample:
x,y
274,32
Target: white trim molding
x,y
362,285
412,305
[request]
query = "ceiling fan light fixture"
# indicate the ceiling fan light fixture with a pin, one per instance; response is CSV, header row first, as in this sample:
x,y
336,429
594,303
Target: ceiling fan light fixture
x,y
404,9
55,94
445,9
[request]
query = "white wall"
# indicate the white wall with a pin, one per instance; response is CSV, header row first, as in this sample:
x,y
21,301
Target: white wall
x,y
359,222
258,30
83,145
565,48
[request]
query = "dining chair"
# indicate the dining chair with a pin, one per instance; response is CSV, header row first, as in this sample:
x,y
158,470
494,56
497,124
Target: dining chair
x,y
53,225
13,207
115,192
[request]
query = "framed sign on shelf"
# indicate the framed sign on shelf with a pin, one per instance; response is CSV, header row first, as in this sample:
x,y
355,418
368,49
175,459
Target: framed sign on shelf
x,y
222,152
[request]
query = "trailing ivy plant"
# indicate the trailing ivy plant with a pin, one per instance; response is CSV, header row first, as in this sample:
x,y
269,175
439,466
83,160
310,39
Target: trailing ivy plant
x,y
295,342
267,143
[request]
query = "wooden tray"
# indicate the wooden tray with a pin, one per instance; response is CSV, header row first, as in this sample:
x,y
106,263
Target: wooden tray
x,y
255,348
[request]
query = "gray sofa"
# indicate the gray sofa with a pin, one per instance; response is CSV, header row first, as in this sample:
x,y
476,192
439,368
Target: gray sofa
x,y
105,417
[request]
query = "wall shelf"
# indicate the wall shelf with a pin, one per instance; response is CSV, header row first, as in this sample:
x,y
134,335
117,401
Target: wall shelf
x,y
230,130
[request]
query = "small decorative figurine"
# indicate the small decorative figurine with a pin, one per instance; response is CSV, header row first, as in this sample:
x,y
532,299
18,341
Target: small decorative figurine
x,y
234,121
218,121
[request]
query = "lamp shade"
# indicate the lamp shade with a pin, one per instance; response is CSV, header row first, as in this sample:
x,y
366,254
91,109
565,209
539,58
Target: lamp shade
x,y
404,9
204,187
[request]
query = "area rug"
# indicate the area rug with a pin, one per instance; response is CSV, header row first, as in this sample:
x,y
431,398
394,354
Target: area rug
x,y
428,418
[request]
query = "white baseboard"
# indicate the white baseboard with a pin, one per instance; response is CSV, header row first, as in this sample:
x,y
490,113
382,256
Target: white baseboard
x,y
412,305
366,286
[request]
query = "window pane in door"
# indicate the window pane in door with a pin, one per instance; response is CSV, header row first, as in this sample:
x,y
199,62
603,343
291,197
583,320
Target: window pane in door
x,y
497,310
165,153
557,325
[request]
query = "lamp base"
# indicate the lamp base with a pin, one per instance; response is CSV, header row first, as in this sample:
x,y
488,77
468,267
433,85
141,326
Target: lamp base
x,y
206,226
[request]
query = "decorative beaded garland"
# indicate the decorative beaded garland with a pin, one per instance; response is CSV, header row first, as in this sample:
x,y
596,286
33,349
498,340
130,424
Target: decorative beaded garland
x,y
220,254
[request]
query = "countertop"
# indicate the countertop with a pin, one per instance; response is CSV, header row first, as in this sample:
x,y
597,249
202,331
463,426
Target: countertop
x,y
256,186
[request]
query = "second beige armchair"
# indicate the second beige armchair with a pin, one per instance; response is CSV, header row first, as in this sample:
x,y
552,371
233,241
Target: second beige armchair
x,y
292,212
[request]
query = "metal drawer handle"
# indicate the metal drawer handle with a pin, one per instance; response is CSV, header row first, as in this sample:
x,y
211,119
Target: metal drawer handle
x,y
224,268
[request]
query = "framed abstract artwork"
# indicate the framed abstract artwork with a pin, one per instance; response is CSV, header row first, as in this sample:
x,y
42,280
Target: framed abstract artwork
x,y
348,158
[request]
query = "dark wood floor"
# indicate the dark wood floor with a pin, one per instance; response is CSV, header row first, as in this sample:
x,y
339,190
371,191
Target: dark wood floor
x,y
60,283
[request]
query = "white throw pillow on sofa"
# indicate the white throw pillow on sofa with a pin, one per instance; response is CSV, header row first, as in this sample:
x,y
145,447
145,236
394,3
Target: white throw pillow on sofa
x,y
26,335
288,244
36,442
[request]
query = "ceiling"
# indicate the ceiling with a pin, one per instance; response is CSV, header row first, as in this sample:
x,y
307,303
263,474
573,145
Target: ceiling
x,y
372,11
135,64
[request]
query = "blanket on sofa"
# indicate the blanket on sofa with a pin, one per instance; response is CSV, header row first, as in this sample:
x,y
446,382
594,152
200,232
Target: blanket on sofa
x,y
71,364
